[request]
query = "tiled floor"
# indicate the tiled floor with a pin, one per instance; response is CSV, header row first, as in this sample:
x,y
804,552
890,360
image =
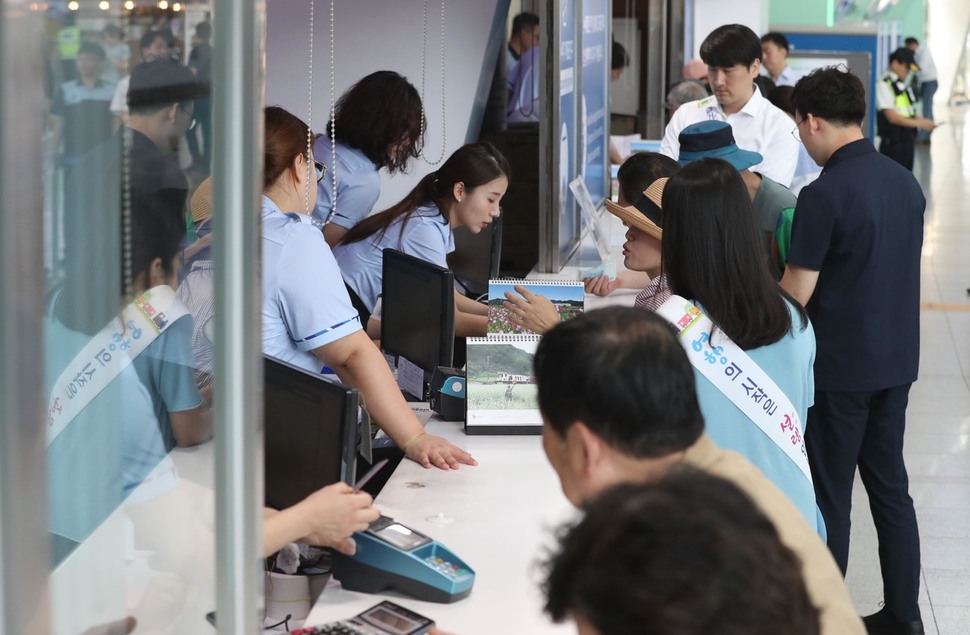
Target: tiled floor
x,y
938,431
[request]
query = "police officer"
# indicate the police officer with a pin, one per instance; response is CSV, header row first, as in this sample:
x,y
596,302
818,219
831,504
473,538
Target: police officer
x,y
896,119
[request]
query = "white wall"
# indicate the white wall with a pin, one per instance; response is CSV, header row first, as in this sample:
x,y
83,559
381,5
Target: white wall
x,y
946,28
625,92
373,35
710,14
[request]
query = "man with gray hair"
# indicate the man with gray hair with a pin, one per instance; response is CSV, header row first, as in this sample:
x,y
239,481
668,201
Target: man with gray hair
x,y
683,92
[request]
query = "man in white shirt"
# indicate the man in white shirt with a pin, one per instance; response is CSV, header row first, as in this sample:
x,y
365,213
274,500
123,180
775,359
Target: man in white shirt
x,y
927,82
733,56
774,51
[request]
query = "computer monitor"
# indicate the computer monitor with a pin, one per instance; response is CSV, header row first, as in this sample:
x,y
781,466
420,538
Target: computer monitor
x,y
310,432
476,258
418,311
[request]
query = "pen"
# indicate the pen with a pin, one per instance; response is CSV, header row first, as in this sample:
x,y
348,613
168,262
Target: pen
x,y
370,474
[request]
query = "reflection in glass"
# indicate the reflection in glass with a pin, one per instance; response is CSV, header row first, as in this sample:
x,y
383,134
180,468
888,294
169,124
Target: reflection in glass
x,y
130,511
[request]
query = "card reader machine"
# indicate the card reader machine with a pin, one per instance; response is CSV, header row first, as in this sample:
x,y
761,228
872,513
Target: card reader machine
x,y
391,556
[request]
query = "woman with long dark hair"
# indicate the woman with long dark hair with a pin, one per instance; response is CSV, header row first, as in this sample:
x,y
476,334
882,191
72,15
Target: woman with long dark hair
x,y
308,319
125,418
378,125
464,192
713,256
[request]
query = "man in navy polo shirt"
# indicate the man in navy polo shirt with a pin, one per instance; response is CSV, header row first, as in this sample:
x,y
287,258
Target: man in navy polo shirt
x,y
855,265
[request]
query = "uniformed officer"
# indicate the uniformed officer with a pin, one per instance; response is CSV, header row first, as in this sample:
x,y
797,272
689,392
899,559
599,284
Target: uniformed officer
x,y
896,118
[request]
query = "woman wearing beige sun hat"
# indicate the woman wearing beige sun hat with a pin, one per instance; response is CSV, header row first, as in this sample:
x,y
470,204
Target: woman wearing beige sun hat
x,y
642,249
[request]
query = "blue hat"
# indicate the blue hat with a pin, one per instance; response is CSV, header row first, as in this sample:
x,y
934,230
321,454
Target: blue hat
x,y
714,139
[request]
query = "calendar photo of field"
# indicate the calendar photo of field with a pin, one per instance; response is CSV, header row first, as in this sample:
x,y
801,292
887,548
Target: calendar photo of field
x,y
501,385
569,300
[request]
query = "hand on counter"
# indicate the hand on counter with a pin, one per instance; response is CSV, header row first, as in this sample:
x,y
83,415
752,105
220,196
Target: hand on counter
x,y
428,450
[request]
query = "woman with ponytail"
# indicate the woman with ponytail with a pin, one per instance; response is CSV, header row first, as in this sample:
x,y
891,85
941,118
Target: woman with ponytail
x,y
464,192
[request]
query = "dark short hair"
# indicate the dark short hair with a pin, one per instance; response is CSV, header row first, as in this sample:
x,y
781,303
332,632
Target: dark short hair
x,y
832,94
911,40
149,37
690,554
903,55
619,58
730,45
160,83
776,38
524,21
713,253
623,373
169,35
378,113
780,96
91,48
640,170
203,30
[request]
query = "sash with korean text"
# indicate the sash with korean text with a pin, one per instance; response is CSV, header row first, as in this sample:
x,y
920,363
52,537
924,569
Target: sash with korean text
x,y
738,378
108,353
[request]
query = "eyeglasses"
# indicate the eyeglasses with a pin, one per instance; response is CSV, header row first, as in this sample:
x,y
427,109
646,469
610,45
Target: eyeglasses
x,y
795,133
321,170
192,118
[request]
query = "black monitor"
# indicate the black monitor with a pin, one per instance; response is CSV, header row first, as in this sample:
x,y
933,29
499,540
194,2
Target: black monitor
x,y
418,311
476,258
310,433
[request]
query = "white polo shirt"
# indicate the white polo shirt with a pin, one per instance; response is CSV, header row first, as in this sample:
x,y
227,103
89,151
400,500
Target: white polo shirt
x,y
760,127
305,303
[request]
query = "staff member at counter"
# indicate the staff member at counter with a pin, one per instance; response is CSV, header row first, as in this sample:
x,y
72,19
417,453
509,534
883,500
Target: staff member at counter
x,y
307,317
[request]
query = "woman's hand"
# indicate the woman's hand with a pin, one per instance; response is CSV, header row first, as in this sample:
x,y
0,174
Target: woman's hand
x,y
428,450
331,514
531,311
601,286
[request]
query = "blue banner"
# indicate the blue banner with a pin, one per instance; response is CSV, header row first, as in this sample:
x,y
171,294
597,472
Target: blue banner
x,y
568,225
596,50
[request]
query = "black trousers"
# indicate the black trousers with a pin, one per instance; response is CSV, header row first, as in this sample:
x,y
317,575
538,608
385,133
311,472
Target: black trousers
x,y
899,150
846,429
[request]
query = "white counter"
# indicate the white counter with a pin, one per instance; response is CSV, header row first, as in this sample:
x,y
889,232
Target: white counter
x,y
502,516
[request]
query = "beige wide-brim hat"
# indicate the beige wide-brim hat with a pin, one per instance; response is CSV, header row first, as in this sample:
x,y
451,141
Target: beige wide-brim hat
x,y
201,202
646,213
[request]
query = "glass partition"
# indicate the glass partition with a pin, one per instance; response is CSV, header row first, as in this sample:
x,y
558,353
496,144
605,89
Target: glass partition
x,y
112,312
128,322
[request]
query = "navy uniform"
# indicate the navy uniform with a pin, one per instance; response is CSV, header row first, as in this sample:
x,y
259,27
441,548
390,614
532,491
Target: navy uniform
x,y
894,93
896,142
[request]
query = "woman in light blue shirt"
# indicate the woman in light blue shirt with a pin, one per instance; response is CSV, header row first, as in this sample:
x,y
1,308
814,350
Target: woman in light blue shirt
x,y
464,192
713,256
307,317
378,125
